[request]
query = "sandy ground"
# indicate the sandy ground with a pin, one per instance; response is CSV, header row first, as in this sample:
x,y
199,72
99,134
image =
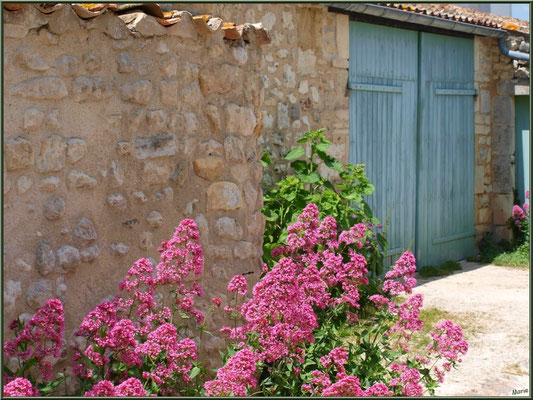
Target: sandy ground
x,y
492,305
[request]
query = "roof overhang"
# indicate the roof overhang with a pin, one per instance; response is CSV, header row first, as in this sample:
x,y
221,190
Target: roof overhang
x,y
417,19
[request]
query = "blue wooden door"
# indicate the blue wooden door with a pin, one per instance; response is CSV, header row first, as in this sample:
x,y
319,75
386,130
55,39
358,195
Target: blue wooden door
x,y
383,101
445,227
522,146
411,124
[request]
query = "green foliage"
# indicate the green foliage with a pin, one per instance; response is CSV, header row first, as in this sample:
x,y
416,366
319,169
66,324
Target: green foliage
x,y
444,269
503,254
342,198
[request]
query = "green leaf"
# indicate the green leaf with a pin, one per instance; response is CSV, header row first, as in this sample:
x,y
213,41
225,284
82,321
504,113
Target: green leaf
x,y
322,146
194,372
265,159
313,177
295,153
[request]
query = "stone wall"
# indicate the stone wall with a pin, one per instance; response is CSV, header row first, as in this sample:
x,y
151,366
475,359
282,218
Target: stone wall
x,y
305,74
497,78
114,133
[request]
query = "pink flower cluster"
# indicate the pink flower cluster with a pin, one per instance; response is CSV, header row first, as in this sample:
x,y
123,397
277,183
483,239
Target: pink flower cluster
x,y
135,329
401,279
448,341
234,378
40,338
131,387
20,387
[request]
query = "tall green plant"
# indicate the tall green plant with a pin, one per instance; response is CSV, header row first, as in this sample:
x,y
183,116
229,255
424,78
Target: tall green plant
x,y
341,198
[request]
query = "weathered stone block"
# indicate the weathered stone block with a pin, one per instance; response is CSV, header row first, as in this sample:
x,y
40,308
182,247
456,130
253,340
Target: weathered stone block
x,y
139,92
90,253
169,67
117,201
49,184
213,116
234,149
154,219
502,169
243,250
84,231
306,62
68,258
23,184
146,240
211,148
15,31
169,92
221,79
119,249
154,146
283,116
223,196
125,63
145,24
76,150
503,110
208,168
185,28
240,120
191,94
153,174
503,140
228,228
33,119
30,60
91,89
67,65
18,154
250,194
12,291
47,88
52,155
45,259
38,293
54,208
78,179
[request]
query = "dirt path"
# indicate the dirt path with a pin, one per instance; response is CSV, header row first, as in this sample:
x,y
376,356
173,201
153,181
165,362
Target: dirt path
x,y
492,305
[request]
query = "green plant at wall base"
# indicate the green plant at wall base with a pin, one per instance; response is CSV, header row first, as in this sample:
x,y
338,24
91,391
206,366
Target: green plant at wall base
x,y
342,198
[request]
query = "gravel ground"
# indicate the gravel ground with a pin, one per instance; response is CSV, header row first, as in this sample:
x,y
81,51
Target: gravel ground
x,y
492,305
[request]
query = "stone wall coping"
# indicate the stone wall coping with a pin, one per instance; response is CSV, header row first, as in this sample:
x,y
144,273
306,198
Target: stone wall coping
x,y
148,19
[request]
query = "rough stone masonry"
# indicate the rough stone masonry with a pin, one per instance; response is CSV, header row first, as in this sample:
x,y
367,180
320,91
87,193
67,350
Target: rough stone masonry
x,y
116,129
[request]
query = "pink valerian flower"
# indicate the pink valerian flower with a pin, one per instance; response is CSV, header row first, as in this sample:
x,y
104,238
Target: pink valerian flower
x,y
347,385
131,387
101,389
303,235
356,234
338,357
410,383
378,390
238,284
401,278
379,300
234,378
20,387
41,337
448,341
407,313
518,215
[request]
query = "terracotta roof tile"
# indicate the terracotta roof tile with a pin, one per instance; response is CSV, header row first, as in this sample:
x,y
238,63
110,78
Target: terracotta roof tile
x,y
467,15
